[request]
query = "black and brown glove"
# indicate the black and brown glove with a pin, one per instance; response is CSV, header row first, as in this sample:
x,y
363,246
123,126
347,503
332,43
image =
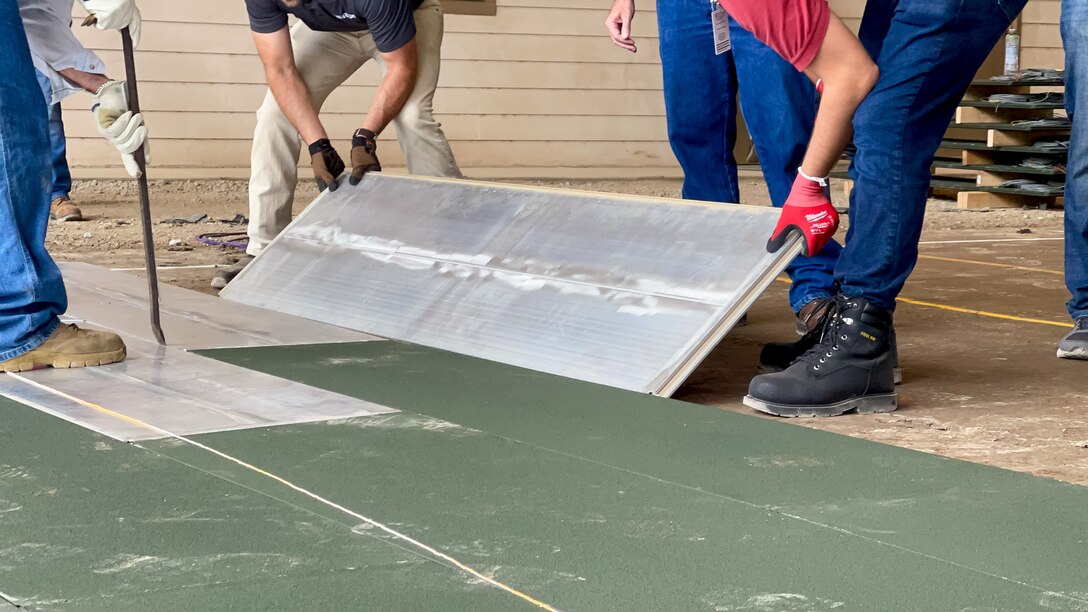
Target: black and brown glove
x,y
326,163
364,155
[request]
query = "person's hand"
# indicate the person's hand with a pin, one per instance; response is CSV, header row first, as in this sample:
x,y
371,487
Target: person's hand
x,y
619,24
113,15
124,129
326,163
364,155
807,211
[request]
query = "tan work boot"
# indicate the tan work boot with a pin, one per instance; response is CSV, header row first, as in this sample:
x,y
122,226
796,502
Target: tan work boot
x,y
69,347
62,209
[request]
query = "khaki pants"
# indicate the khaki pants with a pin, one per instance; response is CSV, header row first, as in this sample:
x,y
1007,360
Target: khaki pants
x,y
325,60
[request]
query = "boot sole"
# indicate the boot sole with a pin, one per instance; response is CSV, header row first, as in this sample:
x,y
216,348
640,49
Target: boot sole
x,y
31,363
897,373
868,404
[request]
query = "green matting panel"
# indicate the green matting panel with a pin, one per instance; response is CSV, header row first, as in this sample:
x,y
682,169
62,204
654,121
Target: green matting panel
x,y
580,496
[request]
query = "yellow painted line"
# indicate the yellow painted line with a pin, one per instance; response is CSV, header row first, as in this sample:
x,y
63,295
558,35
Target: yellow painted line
x,y
984,313
993,264
436,553
981,313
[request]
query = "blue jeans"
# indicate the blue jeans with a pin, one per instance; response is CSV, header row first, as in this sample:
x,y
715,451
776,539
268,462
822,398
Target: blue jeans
x,y
779,105
31,289
927,51
1074,25
62,177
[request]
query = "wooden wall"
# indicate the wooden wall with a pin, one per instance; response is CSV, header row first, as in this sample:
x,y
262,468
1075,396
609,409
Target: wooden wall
x,y
1041,40
537,90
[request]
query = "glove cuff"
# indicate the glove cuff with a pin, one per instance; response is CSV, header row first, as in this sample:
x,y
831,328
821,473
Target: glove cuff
x,y
366,139
320,145
98,91
822,181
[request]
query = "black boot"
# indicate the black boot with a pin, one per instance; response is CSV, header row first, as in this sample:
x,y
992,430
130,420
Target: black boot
x,y
849,367
777,356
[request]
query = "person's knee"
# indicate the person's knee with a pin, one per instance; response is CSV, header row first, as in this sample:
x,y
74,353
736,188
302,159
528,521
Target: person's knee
x,y
269,113
416,115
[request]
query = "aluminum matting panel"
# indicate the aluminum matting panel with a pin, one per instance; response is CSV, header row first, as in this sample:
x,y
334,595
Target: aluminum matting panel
x,y
192,320
630,292
178,392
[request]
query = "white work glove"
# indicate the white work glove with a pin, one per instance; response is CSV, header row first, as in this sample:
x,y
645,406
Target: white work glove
x,y
115,15
120,126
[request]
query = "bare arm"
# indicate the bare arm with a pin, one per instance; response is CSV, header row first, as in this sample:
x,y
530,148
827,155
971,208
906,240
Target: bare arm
x,y
848,74
286,84
401,67
87,80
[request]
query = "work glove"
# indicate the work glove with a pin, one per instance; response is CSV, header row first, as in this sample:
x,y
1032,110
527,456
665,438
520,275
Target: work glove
x,y
113,15
326,163
364,156
123,128
809,212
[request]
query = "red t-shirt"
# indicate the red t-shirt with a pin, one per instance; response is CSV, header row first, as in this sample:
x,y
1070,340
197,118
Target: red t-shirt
x,y
793,28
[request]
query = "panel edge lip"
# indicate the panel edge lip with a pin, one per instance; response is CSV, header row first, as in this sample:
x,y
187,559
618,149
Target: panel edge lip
x,y
33,405
573,192
155,432
722,324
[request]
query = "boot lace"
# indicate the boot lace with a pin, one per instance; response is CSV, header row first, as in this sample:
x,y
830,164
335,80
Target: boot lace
x,y
831,334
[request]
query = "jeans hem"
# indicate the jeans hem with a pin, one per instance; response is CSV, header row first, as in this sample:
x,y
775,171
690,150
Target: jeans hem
x,y
33,343
797,305
1078,315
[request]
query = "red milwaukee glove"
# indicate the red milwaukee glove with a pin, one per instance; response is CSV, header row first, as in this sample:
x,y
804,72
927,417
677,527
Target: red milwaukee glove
x,y
809,212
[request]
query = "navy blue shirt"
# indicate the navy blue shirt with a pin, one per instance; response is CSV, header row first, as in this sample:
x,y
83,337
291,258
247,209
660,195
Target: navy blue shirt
x,y
389,21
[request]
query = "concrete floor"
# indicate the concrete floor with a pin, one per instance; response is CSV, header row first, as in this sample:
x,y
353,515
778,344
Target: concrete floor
x,y
980,386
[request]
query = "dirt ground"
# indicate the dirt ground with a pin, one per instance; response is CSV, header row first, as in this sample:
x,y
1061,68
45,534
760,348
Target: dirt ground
x,y
979,388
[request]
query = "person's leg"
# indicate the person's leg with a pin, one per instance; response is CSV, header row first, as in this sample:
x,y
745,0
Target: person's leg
x,y
62,177
31,290
700,100
324,60
929,56
420,136
61,207
779,107
1074,28
927,59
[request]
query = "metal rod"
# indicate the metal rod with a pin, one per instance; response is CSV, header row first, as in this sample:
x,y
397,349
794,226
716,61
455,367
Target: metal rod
x,y
145,202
